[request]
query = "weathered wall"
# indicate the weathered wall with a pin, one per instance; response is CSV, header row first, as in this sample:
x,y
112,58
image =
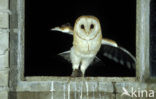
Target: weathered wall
x,y
80,88
54,87
4,48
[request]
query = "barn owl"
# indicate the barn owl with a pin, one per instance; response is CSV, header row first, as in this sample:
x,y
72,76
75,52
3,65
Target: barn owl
x,y
87,41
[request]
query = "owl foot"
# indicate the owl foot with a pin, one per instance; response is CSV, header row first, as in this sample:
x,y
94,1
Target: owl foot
x,y
76,73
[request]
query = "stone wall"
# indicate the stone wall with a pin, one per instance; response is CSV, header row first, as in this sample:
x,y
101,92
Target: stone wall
x,y
4,48
20,87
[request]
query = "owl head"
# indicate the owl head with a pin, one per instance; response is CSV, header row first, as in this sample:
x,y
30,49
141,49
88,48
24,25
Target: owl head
x,y
87,26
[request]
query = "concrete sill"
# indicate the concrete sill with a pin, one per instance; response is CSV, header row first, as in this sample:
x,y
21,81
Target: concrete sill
x,y
99,79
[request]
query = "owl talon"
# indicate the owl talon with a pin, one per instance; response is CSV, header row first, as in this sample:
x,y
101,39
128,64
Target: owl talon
x,y
76,73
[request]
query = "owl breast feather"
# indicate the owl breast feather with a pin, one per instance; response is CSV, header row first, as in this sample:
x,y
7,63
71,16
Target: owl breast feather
x,y
87,46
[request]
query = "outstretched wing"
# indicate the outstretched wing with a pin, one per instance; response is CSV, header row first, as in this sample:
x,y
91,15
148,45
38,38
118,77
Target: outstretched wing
x,y
65,55
110,42
108,49
118,54
64,28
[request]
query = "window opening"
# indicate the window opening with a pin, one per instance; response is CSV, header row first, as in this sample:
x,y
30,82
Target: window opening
x,y
118,21
152,38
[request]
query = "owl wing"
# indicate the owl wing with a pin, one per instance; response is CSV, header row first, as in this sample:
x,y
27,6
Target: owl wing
x,y
111,50
64,28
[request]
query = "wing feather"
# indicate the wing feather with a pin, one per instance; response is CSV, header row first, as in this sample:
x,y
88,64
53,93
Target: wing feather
x,y
64,28
109,42
108,49
118,54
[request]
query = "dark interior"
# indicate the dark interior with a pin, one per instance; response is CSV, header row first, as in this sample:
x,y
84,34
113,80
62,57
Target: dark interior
x,y
118,21
153,37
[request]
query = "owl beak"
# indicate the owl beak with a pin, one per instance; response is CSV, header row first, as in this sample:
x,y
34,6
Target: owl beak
x,y
87,33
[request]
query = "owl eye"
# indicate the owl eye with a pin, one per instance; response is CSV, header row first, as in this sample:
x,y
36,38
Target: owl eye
x,y
91,26
82,26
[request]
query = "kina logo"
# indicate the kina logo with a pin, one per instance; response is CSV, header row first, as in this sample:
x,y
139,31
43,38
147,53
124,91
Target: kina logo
x,y
138,93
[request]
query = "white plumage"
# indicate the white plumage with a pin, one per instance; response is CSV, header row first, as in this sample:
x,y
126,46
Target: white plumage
x,y
86,43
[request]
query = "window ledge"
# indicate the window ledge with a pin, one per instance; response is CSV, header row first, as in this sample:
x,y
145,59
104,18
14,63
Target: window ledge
x,y
99,79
